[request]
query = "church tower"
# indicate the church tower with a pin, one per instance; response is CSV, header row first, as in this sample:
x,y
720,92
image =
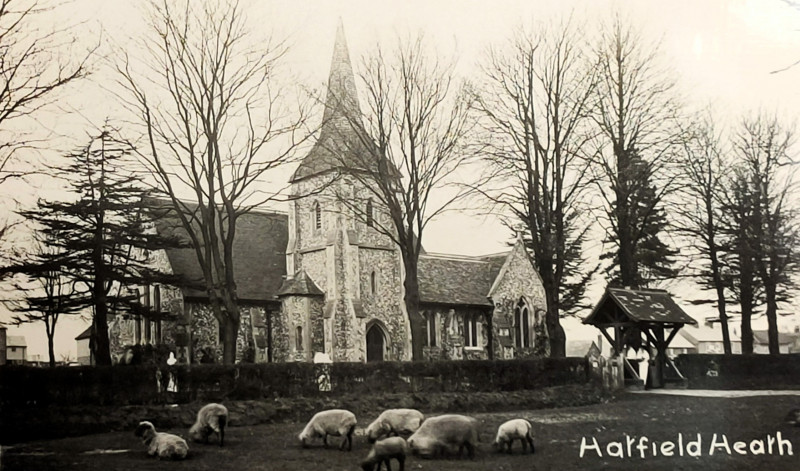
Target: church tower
x,y
343,292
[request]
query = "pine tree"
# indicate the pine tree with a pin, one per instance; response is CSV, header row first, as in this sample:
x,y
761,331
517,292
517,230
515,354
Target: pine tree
x,y
101,238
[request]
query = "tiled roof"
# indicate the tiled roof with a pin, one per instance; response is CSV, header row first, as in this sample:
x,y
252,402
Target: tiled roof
x,y
458,280
300,284
85,334
259,255
762,337
651,306
16,341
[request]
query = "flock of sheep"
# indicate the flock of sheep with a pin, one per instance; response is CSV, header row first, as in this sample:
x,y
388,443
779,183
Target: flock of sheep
x,y
431,437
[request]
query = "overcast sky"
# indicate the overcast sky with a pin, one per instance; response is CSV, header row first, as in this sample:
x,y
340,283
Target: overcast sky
x,y
722,52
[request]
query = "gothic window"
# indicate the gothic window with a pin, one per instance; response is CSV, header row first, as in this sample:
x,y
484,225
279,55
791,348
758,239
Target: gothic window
x,y
522,331
430,319
298,338
317,216
373,282
472,325
368,212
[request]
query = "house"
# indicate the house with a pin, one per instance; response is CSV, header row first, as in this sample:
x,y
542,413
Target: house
x,y
16,350
680,345
84,350
320,278
708,338
786,342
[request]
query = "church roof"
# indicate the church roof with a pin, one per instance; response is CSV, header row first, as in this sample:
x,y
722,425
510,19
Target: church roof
x,y
300,284
341,139
259,255
652,306
447,279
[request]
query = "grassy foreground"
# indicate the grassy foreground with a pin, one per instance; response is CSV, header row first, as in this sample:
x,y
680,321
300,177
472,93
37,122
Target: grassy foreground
x,y
558,437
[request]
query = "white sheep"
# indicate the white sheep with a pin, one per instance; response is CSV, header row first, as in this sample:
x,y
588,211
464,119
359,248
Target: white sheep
x,y
336,422
514,429
383,451
163,445
394,421
439,434
211,418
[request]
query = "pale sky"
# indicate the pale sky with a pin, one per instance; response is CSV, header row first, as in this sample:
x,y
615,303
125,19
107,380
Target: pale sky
x,y
722,53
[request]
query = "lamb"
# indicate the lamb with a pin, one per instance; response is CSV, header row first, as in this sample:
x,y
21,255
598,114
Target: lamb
x,y
512,430
383,451
439,434
336,422
163,445
397,421
211,418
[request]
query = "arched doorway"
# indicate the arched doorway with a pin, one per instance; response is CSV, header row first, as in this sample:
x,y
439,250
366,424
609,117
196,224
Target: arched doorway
x,y
376,343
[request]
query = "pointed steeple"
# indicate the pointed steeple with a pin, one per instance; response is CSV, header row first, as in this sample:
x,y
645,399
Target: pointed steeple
x,y
341,117
341,102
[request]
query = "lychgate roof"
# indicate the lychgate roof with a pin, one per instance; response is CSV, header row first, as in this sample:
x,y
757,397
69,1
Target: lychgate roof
x,y
621,305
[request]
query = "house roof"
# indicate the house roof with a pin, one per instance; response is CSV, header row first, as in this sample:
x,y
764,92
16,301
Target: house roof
x,y
85,334
16,341
621,305
707,334
447,279
259,255
762,337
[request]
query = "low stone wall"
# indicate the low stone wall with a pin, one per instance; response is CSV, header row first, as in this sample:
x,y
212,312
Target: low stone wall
x,y
706,371
147,384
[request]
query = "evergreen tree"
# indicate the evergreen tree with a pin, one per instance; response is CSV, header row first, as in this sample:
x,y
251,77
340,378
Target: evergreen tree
x,y
101,238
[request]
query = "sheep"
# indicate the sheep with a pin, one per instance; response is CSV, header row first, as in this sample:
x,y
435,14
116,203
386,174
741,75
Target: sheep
x,y
383,451
793,418
336,422
512,430
163,445
211,418
397,421
438,434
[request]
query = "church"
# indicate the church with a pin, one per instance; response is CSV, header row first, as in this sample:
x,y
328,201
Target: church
x,y
319,278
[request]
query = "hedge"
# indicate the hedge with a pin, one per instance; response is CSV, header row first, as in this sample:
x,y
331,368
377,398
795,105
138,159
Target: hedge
x,y
717,371
147,384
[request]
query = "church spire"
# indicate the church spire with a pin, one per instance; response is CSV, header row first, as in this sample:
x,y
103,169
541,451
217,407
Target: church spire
x,y
341,102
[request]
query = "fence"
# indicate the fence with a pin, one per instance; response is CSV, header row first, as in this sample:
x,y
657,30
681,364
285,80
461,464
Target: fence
x,y
148,384
741,371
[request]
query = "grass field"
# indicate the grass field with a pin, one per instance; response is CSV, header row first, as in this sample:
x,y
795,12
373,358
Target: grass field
x,y
558,436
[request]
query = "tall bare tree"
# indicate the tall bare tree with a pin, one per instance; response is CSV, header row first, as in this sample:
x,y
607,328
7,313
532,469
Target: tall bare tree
x,y
403,149
208,98
535,110
763,145
702,218
636,115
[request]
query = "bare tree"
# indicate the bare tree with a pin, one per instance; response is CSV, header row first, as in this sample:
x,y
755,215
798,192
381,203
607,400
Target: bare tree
x,y
208,99
762,144
405,147
33,67
534,112
49,292
636,115
702,218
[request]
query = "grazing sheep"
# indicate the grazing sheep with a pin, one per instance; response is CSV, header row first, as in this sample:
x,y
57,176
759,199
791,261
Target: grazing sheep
x,y
383,451
163,445
439,434
512,430
397,421
211,418
336,422
793,418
